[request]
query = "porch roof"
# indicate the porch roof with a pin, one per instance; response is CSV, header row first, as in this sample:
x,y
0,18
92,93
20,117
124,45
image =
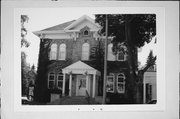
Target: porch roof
x,y
80,67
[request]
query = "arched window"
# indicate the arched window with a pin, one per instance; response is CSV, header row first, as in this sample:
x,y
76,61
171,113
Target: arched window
x,y
62,51
110,83
121,83
53,52
85,51
110,56
120,56
51,80
86,32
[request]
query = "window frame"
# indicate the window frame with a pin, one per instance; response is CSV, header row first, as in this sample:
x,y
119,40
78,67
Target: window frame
x,y
123,83
123,56
82,56
60,74
108,82
53,52
49,74
85,31
63,45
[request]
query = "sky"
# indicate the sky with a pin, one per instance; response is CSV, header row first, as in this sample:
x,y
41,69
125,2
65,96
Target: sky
x,y
43,18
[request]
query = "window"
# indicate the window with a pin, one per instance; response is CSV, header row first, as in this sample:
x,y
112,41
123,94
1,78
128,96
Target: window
x,y
120,56
60,81
148,92
53,52
51,81
62,51
86,33
85,51
121,83
110,83
110,56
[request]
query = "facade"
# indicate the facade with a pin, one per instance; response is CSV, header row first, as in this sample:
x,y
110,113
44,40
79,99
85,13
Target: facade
x,y
72,70
149,85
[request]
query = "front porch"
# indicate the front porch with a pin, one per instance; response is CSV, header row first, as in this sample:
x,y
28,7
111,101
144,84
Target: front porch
x,y
83,80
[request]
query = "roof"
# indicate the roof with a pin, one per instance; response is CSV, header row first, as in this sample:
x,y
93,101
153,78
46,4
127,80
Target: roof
x,y
66,27
80,67
59,27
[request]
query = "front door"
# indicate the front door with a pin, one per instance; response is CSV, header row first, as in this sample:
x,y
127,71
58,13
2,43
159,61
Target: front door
x,y
81,85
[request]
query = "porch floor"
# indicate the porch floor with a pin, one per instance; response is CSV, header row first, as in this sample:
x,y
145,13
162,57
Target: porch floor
x,y
76,100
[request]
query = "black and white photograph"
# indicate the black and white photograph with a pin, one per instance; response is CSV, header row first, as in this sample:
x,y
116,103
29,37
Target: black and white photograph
x,y
88,59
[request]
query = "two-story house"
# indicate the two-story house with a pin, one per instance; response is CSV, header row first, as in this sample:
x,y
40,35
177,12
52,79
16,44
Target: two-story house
x,y
72,69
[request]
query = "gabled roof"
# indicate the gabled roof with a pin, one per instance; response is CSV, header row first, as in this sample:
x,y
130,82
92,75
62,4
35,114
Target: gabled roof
x,y
84,17
59,27
80,67
66,27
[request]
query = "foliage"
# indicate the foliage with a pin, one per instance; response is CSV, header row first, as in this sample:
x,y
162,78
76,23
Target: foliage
x,y
24,71
41,91
150,58
143,27
28,74
97,56
24,42
134,30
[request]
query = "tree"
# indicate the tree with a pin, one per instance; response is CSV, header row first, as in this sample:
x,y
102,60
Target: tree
x,y
41,92
24,42
97,54
24,74
134,30
25,68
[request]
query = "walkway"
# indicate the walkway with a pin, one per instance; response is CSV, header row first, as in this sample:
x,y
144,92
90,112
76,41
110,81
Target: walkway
x,y
77,100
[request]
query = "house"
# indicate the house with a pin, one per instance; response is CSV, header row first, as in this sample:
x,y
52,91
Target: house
x,y
72,70
149,85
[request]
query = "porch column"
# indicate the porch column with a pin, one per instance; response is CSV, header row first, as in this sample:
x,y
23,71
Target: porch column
x,y
87,85
70,84
144,91
94,85
64,82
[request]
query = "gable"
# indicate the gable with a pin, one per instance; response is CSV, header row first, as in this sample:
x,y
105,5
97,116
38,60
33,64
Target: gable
x,y
63,31
82,22
85,23
79,65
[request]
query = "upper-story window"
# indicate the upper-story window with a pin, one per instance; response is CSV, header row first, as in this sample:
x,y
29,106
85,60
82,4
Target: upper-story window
x,y
86,33
121,56
51,80
121,83
85,51
53,52
110,83
62,51
110,56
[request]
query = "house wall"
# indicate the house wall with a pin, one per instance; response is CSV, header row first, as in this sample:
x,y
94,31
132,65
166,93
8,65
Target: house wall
x,y
73,85
150,78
